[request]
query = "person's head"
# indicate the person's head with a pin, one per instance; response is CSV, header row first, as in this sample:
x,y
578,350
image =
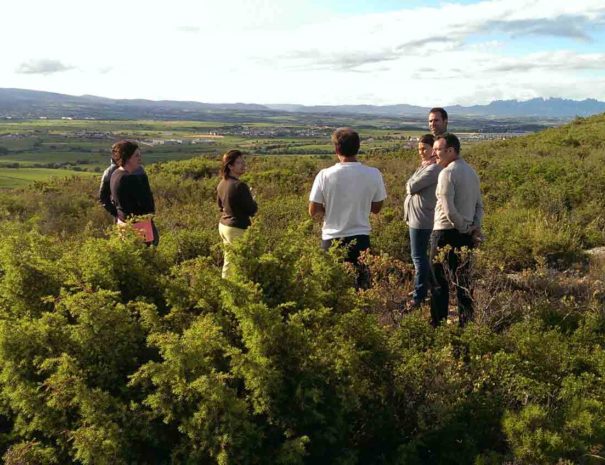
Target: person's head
x,y
346,142
126,154
447,149
425,146
233,164
437,121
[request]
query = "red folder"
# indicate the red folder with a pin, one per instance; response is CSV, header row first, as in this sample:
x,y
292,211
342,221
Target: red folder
x,y
143,228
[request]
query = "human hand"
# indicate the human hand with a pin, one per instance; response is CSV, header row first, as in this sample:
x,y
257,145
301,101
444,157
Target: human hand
x,y
477,236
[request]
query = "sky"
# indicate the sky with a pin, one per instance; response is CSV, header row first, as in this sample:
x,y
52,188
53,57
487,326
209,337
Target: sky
x,y
313,52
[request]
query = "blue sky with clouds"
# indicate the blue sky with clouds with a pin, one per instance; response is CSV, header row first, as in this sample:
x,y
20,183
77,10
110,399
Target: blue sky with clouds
x,y
308,51
369,6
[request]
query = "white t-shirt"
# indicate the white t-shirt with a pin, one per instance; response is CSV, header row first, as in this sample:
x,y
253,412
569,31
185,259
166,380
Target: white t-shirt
x,y
347,190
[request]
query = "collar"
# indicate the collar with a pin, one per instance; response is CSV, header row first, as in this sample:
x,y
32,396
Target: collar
x,y
429,162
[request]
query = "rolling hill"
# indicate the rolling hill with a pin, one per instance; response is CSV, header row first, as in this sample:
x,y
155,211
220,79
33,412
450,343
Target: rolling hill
x,y
22,103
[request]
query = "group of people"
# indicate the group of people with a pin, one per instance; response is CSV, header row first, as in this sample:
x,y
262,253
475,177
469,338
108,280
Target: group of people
x,y
443,209
125,192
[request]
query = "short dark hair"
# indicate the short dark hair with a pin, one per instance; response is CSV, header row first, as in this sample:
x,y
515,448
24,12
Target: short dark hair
x,y
346,142
451,141
228,160
439,110
427,139
123,151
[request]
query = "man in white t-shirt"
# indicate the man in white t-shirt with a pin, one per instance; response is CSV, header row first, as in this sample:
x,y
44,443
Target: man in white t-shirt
x,y
344,195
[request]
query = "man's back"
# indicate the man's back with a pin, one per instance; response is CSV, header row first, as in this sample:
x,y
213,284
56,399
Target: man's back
x,y
347,191
105,190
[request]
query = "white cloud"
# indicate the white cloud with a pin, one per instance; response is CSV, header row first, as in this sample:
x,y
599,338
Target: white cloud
x,y
43,66
559,61
270,51
192,29
385,37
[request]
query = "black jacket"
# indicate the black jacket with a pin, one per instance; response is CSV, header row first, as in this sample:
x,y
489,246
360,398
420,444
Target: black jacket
x,y
105,190
131,194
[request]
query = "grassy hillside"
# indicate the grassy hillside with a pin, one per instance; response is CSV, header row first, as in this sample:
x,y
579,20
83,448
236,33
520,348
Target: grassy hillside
x,y
113,353
545,192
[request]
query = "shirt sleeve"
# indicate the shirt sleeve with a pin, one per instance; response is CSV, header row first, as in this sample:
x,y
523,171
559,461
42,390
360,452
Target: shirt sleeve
x,y
105,194
219,202
445,193
147,203
426,178
122,198
381,192
247,202
317,195
478,218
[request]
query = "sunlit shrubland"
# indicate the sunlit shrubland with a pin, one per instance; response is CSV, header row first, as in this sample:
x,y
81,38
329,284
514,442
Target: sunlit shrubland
x,y
115,353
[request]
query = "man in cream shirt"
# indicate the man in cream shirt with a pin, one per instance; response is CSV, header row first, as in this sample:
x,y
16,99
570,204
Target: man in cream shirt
x,y
345,194
458,216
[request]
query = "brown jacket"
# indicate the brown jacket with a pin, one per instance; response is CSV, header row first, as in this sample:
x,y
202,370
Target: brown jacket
x,y
235,202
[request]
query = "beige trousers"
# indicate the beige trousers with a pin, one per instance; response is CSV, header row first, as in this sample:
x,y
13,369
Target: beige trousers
x,y
229,235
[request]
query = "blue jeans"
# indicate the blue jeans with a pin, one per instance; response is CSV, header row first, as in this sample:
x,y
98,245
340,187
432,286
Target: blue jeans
x,y
419,243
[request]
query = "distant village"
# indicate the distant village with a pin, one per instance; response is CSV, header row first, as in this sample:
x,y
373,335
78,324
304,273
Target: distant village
x,y
278,132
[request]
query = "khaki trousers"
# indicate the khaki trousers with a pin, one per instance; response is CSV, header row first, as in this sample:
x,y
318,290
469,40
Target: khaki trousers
x,y
229,235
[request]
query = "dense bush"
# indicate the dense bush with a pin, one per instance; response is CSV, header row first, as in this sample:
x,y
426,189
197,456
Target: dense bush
x,y
115,353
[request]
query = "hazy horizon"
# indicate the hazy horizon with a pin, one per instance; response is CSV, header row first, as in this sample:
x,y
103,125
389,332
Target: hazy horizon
x,y
269,104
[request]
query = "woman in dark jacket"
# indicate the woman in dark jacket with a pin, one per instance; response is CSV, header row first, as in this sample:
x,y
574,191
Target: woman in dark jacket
x,y
235,203
131,192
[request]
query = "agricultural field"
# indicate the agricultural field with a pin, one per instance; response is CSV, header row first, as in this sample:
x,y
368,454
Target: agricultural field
x,y
84,145
19,177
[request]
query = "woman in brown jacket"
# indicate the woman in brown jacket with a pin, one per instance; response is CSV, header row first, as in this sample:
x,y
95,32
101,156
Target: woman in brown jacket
x,y
235,202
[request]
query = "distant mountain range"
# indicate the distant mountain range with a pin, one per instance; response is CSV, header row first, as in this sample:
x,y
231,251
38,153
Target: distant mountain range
x,y
537,107
21,103
552,108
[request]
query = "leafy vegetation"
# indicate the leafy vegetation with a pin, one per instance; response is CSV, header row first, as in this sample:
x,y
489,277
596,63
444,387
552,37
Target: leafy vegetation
x,y
115,353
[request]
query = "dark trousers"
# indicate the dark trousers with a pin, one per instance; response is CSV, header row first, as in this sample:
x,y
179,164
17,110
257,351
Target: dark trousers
x,y
452,268
354,245
156,235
